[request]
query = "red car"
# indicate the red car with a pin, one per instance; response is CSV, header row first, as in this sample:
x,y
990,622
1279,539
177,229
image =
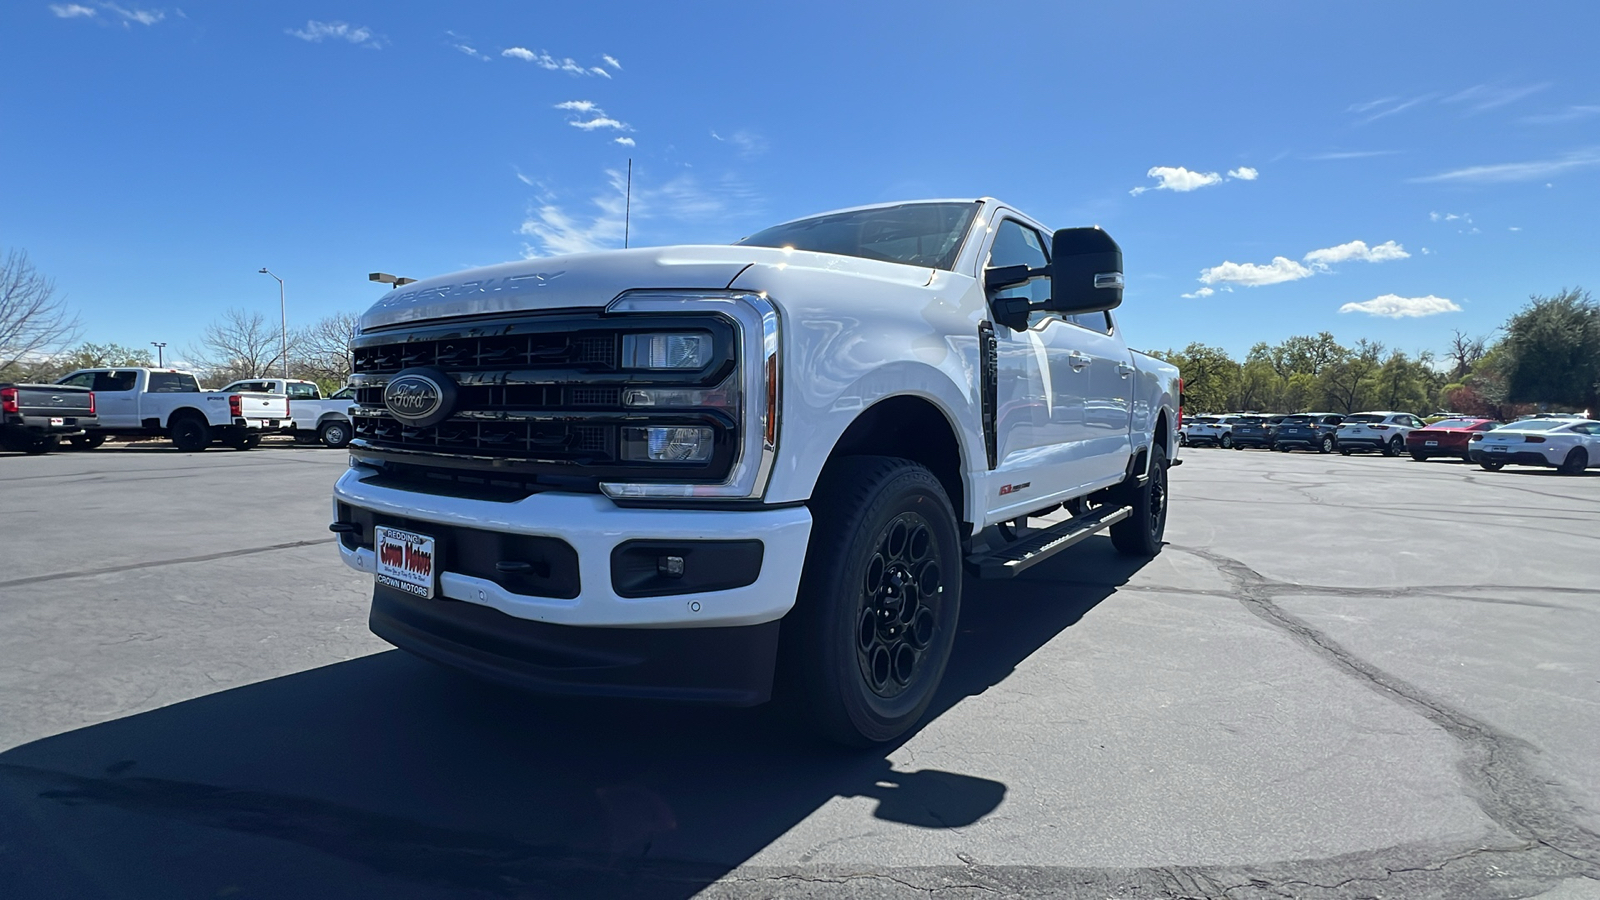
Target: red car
x,y
1446,437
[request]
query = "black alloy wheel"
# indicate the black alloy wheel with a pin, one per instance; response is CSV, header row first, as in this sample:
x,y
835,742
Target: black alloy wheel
x,y
1575,463
190,434
1394,448
870,635
1141,534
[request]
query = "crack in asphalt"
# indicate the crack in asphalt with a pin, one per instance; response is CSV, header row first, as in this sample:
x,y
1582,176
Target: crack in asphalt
x,y
156,563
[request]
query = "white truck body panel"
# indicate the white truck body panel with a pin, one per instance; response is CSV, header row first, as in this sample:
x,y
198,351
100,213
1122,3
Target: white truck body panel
x,y
131,409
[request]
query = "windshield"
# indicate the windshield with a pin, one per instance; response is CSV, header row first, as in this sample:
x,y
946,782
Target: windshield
x,y
1296,420
1363,419
1455,423
917,234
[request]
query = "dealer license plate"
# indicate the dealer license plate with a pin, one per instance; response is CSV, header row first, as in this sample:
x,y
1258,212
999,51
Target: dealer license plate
x,y
1497,449
56,421
1431,443
406,561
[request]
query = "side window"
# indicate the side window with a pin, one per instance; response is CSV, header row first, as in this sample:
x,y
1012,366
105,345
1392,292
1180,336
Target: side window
x,y
110,382
173,383
82,379
1018,245
303,392
345,394
1097,321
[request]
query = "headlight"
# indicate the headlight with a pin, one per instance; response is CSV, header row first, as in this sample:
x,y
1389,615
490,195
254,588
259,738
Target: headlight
x,y
666,351
667,444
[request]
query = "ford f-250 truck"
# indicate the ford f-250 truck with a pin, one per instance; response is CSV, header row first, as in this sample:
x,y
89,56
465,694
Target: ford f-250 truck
x,y
35,417
315,417
141,402
692,472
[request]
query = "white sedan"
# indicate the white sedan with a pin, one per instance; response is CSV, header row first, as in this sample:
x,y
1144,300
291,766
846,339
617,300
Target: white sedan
x,y
1569,445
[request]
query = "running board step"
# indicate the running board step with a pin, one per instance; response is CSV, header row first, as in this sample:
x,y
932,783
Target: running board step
x,y
1011,559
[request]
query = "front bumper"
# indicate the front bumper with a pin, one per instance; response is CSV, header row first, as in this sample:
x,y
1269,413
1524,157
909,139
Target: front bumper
x,y
593,527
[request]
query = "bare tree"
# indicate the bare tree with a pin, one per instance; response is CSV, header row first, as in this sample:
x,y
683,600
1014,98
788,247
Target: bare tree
x,y
239,345
33,320
322,351
1465,352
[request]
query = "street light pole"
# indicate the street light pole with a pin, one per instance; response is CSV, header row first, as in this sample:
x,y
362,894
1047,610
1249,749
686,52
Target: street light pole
x,y
283,316
158,345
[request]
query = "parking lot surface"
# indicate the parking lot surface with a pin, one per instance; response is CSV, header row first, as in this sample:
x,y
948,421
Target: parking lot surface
x,y
1343,677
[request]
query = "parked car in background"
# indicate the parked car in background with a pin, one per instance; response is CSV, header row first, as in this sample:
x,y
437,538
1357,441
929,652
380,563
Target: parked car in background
x,y
1568,445
1216,432
143,402
1311,431
1255,431
1446,437
35,417
311,415
1382,431
1190,424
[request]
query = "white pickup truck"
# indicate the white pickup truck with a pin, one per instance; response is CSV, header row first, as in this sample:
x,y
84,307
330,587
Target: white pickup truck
x,y
692,472
141,402
312,416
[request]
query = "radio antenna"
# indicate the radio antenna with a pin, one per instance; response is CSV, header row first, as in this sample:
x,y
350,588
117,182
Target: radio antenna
x,y
627,205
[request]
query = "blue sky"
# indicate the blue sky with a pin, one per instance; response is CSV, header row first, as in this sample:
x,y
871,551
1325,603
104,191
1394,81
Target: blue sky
x,y
155,157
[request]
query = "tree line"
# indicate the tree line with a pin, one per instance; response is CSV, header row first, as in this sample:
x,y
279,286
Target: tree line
x,y
1546,355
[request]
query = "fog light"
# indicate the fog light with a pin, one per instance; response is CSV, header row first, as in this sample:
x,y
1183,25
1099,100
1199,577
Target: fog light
x,y
665,351
670,566
672,444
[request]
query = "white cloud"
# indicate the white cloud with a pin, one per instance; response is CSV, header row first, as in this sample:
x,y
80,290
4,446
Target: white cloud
x,y
1202,292
1450,217
1484,97
1516,228
467,48
599,122
1570,114
544,60
1281,269
73,11
1523,171
1373,110
1321,260
1177,178
624,141
612,62
597,116
554,230
581,106
750,143
1426,252
1244,173
317,32
142,16
1393,306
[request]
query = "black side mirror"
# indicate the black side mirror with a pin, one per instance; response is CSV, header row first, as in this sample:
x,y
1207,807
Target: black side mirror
x,y
1085,271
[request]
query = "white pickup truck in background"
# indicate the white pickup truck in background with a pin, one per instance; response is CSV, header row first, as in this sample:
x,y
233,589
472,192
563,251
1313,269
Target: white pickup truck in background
x,y
141,402
692,472
312,416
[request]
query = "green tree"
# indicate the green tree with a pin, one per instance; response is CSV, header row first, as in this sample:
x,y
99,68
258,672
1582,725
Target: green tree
x,y
1210,377
1552,351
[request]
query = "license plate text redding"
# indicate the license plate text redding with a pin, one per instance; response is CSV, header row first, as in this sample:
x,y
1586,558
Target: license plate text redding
x,y
405,561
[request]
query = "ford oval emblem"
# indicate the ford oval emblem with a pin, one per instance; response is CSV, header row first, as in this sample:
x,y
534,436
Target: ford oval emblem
x,y
420,397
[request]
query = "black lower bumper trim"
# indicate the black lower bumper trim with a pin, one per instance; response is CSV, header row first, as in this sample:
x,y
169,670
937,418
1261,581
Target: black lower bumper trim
x,y
1520,458
727,666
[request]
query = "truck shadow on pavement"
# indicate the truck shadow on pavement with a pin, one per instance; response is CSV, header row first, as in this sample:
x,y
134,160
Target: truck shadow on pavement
x,y
387,777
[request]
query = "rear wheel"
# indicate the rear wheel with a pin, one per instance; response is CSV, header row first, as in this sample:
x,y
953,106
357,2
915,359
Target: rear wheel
x,y
244,440
334,434
1492,466
1183,439
1395,447
1140,534
1575,463
41,445
1326,446
1419,457
1226,442
190,434
1343,451
870,635
86,441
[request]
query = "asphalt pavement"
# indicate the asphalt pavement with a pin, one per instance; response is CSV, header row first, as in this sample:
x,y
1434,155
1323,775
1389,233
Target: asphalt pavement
x,y
1342,678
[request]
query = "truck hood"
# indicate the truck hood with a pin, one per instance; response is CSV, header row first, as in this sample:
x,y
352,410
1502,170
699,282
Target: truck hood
x,y
594,279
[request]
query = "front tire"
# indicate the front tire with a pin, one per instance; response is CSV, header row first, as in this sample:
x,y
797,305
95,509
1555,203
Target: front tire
x,y
870,635
1326,446
1140,534
1227,442
1491,466
1419,457
1575,463
247,440
190,434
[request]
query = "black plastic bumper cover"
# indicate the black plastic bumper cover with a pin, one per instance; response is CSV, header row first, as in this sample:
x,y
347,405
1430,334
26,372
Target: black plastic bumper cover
x,y
728,666
1519,458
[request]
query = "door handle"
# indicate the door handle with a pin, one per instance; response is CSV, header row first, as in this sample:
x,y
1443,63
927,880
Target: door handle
x,y
1078,360
1124,369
